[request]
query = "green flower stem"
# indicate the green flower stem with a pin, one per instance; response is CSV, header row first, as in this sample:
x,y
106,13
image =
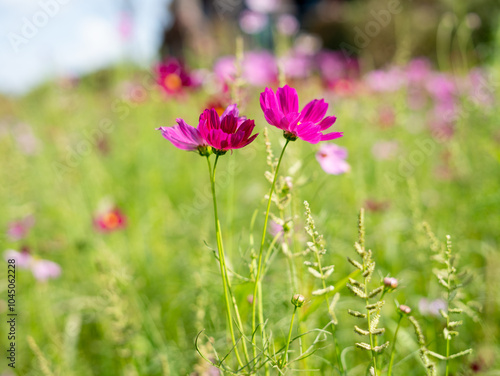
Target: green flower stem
x,y
393,352
257,285
285,355
222,260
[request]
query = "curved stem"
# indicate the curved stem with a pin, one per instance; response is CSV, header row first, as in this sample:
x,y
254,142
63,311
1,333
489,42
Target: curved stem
x,y
285,355
257,286
389,371
222,261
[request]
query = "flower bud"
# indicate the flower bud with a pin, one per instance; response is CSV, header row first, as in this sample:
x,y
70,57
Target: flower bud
x,y
404,309
298,300
391,283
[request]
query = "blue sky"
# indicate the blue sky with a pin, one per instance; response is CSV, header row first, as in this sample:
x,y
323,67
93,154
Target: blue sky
x,y
43,39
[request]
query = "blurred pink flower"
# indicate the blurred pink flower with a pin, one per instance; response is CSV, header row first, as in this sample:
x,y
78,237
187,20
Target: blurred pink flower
x,y
253,22
109,220
275,229
431,308
258,68
23,258
287,24
282,111
383,150
45,269
332,158
172,76
19,229
441,87
389,80
335,69
264,6
386,117
418,70
42,269
297,65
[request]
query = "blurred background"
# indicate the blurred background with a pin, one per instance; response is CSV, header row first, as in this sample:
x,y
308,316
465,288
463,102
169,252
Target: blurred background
x,y
111,226
45,40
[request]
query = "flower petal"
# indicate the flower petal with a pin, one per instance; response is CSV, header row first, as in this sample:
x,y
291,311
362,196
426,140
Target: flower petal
x,y
314,111
288,99
327,122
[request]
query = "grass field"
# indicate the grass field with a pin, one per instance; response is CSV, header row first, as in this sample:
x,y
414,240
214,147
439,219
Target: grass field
x,y
132,301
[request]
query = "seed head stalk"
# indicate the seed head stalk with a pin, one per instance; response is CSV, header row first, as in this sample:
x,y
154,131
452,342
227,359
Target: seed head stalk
x,y
257,292
223,268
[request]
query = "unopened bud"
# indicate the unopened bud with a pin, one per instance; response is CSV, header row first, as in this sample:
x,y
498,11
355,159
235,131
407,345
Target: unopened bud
x,y
298,300
404,309
390,282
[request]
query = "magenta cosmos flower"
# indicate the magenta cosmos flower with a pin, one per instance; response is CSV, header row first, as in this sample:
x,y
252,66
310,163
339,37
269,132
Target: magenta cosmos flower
x,y
218,132
282,111
227,131
185,137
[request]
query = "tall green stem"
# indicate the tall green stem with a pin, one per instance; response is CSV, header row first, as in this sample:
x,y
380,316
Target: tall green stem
x,y
222,260
389,372
257,286
285,355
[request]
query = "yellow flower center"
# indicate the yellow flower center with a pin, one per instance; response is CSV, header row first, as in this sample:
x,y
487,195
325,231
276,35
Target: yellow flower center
x,y
172,82
111,220
219,110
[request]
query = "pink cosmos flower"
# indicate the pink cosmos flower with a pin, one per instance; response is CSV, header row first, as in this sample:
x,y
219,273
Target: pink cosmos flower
x,y
226,132
332,158
44,269
172,76
282,111
110,220
19,229
185,137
